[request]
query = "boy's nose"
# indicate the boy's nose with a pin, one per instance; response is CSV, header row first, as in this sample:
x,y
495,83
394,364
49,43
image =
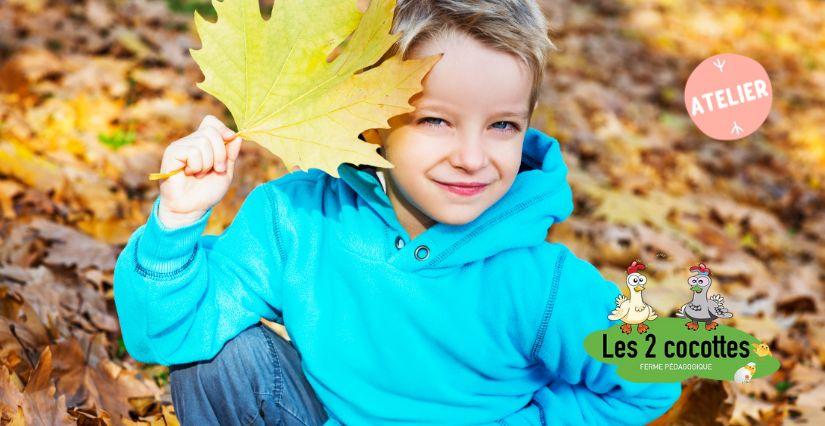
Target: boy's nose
x,y
470,155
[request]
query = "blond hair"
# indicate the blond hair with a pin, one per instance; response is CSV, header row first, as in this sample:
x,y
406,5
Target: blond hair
x,y
517,27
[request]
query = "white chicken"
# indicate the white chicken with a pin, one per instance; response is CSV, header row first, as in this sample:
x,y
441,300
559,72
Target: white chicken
x,y
634,310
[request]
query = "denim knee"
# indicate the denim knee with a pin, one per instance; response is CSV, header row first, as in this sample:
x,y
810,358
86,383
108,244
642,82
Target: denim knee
x,y
256,378
226,389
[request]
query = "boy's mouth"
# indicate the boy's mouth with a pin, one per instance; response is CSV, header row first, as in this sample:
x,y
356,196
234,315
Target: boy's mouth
x,y
463,188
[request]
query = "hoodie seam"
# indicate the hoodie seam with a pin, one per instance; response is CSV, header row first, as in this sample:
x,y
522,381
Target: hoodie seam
x,y
541,413
276,230
387,239
549,307
475,232
161,276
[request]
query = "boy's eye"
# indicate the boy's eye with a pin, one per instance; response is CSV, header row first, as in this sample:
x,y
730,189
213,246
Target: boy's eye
x,y
513,126
429,123
435,122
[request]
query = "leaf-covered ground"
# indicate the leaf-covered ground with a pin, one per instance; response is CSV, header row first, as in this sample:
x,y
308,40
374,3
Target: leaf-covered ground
x,y
91,91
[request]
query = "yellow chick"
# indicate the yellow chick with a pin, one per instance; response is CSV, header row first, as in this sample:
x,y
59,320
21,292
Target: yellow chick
x,y
761,349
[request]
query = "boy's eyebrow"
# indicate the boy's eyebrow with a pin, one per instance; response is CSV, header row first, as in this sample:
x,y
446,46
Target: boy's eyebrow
x,y
507,113
518,114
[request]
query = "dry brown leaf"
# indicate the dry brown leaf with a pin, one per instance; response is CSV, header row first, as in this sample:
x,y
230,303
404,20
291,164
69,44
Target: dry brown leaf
x,y
703,402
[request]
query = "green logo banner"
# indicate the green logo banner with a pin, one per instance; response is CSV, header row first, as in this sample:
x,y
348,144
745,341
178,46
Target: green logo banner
x,y
670,352
647,348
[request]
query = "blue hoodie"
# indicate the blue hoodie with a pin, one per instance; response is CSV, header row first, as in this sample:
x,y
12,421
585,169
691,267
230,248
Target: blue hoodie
x,y
480,323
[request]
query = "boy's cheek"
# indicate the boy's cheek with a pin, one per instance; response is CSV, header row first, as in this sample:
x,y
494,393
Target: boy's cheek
x,y
415,154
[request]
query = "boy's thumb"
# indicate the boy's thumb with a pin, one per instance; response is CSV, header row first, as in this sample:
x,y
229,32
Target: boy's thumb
x,y
233,149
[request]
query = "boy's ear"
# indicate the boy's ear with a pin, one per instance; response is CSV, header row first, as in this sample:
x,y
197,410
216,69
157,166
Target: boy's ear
x,y
372,136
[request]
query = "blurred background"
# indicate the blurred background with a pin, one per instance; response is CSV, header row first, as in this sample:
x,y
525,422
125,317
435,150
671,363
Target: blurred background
x,y
92,91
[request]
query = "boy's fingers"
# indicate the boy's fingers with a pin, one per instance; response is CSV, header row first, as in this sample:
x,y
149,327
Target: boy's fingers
x,y
176,157
218,150
205,146
210,121
227,133
191,156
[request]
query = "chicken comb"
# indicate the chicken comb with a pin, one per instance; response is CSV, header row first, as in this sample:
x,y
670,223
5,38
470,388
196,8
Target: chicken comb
x,y
635,267
700,269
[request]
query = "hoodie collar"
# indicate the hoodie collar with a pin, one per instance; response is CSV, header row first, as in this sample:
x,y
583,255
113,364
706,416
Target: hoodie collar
x,y
539,197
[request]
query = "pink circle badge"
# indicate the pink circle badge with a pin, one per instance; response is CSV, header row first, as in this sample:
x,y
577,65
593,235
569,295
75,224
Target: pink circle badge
x,y
728,96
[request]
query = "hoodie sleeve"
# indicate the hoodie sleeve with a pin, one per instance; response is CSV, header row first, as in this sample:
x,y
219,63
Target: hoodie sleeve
x,y
180,296
583,390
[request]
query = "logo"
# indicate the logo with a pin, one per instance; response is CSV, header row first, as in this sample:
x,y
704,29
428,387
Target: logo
x,y
728,96
647,348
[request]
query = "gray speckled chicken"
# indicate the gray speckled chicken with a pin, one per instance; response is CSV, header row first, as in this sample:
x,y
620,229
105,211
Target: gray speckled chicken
x,y
703,308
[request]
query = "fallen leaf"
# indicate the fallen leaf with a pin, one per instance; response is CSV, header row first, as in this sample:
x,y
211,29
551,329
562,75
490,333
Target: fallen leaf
x,y
68,247
703,402
40,405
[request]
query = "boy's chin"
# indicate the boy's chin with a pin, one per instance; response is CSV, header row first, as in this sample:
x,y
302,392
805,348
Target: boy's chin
x,y
458,215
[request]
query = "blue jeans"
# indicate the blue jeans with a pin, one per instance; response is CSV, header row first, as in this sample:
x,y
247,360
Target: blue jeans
x,y
255,379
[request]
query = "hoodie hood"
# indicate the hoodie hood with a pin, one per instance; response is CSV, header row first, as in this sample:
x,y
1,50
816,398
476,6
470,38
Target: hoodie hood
x,y
539,197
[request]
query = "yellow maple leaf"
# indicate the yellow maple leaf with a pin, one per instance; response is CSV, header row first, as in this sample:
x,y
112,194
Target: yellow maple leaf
x,y
274,77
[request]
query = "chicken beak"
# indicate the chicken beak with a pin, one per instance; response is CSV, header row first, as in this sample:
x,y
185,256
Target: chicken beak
x,y
696,289
639,288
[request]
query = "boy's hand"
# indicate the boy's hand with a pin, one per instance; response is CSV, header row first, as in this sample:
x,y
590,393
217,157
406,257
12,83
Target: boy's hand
x,y
210,165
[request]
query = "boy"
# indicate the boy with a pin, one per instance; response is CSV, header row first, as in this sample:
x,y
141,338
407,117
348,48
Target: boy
x,y
421,294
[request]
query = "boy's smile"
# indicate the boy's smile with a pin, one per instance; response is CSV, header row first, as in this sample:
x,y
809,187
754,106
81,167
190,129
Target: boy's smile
x,y
460,150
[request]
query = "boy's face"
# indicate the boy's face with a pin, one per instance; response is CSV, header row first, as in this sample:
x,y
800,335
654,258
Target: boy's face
x,y
460,150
